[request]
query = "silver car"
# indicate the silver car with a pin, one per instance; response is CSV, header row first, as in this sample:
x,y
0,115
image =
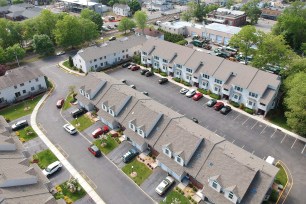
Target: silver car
x,y
190,93
164,185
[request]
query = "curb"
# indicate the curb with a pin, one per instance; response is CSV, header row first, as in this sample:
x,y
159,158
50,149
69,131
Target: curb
x,y
284,167
60,64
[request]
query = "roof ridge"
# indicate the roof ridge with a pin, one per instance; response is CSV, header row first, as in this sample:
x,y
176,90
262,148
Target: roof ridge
x,y
218,67
253,78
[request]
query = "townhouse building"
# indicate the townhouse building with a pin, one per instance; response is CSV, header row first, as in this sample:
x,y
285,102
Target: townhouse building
x,y
254,88
150,33
227,16
121,10
20,83
108,54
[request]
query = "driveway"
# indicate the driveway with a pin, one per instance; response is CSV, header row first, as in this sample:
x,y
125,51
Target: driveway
x,y
116,154
34,146
92,128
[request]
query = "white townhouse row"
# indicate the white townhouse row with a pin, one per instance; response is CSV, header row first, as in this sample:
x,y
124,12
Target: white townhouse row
x,y
108,54
121,10
243,84
20,83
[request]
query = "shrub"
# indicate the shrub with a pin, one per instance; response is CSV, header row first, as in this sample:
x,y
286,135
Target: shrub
x,y
176,79
70,61
194,189
241,106
182,42
137,59
189,197
215,96
203,91
273,196
249,111
235,104
7,120
164,74
186,83
208,92
156,70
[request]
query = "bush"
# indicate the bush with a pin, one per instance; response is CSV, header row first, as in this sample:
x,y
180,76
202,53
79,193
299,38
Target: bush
x,y
176,79
189,197
203,91
164,74
241,106
235,104
172,37
273,196
156,70
70,61
186,83
182,42
137,59
215,96
249,111
194,189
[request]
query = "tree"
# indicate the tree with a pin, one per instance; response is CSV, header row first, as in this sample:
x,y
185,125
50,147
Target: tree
x,y
3,69
273,50
245,39
2,56
3,2
211,7
195,10
28,28
186,16
134,6
295,66
126,24
292,25
10,33
70,61
46,23
92,16
89,30
295,102
13,52
229,3
141,19
43,45
252,11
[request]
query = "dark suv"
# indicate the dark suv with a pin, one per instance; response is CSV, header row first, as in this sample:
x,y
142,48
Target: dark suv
x,y
127,157
78,112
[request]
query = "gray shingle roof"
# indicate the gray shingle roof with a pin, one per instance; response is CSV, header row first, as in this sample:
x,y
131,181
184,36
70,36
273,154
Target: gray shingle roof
x,y
18,76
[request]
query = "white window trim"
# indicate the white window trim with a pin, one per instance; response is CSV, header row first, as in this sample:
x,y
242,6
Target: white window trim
x,y
132,126
104,107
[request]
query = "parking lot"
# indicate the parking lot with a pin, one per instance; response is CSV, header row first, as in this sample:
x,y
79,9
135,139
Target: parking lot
x,y
247,133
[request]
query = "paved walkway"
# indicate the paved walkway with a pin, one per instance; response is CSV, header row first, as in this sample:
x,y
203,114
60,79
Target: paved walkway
x,y
90,191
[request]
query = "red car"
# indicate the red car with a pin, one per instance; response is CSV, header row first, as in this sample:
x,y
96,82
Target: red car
x,y
60,103
134,68
95,150
218,106
100,131
197,96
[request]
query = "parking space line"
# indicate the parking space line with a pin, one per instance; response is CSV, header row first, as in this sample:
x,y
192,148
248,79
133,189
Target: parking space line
x,y
237,116
294,142
263,130
284,138
215,131
242,146
253,152
303,149
245,121
254,125
273,134
233,141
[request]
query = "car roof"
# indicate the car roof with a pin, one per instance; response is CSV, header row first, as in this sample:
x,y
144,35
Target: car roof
x,y
95,148
53,164
22,121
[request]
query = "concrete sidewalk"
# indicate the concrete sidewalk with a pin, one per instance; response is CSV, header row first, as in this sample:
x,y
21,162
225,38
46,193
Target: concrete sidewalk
x,y
90,191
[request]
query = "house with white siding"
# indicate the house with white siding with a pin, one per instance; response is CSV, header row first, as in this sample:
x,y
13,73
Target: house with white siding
x,y
243,84
108,54
121,9
21,83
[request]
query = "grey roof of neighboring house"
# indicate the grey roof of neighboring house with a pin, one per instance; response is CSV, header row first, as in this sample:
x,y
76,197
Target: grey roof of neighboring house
x,y
4,8
17,76
122,6
110,47
257,85
32,12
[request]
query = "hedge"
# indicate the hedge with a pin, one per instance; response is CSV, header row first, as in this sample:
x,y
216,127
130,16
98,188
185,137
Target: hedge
x,y
215,96
186,83
177,79
164,74
182,42
233,103
203,91
172,37
249,111
273,196
156,70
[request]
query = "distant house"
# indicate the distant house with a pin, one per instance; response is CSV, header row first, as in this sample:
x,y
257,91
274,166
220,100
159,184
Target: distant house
x,y
227,16
20,83
150,33
110,53
121,10
19,12
270,13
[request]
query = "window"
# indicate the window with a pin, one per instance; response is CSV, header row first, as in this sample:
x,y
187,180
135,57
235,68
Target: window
x,y
178,73
216,88
36,79
164,67
205,83
100,58
205,76
15,87
188,77
188,70
39,86
122,51
167,151
140,132
32,88
132,126
101,64
237,88
24,91
218,81
104,57
96,66
179,66
104,107
215,184
155,57
178,159
254,95
144,53
230,195
30,81
22,84
110,111
236,96
95,60
250,103
118,58
17,94
165,61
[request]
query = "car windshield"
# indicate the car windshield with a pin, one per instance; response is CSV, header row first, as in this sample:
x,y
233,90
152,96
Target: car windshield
x,y
162,185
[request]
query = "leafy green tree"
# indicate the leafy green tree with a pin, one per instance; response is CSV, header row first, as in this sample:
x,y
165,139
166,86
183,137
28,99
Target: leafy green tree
x,y
70,61
46,23
3,2
295,102
245,39
89,30
92,16
13,51
211,7
196,10
273,50
17,1
297,65
2,56
187,16
10,33
43,45
126,24
134,6
252,11
229,3
28,29
292,24
141,19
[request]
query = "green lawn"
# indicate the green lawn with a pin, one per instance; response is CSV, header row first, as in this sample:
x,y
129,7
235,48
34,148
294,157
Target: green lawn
x,y
26,134
21,109
110,144
175,197
67,103
83,121
281,177
66,64
143,172
45,158
65,192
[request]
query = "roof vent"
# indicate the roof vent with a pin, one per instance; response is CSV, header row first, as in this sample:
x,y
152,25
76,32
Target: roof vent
x,y
210,164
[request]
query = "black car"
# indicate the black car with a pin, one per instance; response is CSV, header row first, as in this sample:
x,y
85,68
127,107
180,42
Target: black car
x,y
127,157
195,120
225,110
77,112
162,80
19,125
143,71
148,74
211,102
125,65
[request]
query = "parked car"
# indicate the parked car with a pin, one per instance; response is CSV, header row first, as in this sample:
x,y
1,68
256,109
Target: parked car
x,y
94,150
225,110
164,185
60,103
59,53
162,80
130,155
52,168
125,65
184,91
218,106
144,71
197,96
112,38
133,86
100,131
19,125
211,102
109,27
195,120
131,65
77,112
69,128
145,93
191,93
148,74
135,68
123,81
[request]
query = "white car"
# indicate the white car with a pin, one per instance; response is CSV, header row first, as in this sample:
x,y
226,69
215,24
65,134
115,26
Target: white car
x,y
184,91
69,128
190,93
52,168
164,185
60,53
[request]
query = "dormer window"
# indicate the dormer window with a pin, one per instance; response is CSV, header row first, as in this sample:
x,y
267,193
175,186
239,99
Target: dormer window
x,y
132,126
237,88
104,107
218,81
165,61
205,76
110,111
254,95
87,96
144,53
141,132
81,92
230,195
215,184
155,57
188,70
